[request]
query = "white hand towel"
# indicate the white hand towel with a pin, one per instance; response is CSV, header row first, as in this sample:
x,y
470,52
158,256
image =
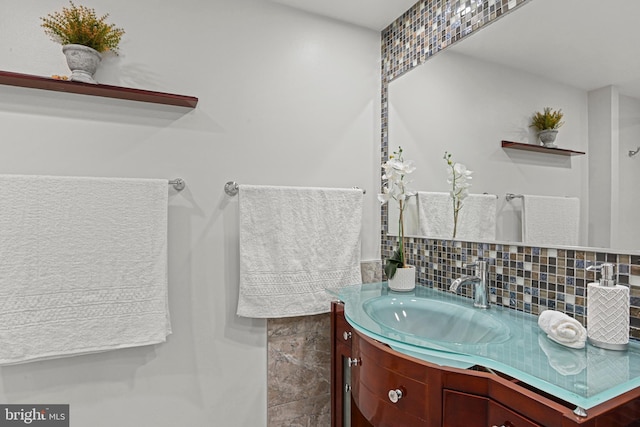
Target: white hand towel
x,y
562,328
295,243
435,214
476,219
83,265
550,220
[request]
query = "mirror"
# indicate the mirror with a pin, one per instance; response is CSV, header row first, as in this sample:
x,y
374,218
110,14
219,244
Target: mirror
x,y
576,55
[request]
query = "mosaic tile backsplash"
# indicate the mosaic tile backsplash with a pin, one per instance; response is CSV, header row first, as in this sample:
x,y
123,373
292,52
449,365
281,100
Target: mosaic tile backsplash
x,y
529,279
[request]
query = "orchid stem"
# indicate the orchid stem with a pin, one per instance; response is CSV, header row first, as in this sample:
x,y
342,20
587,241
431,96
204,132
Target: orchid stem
x,y
401,230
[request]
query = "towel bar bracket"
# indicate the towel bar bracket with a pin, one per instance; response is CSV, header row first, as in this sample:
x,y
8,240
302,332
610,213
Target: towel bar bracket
x,y
178,184
231,188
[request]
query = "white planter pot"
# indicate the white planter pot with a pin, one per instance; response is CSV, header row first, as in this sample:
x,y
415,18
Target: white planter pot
x,y
548,137
83,62
404,280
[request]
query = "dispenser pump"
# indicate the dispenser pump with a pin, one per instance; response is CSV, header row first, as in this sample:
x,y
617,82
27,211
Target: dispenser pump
x,y
607,310
607,273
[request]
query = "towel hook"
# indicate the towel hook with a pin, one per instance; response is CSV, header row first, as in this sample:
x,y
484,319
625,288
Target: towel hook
x,y
634,152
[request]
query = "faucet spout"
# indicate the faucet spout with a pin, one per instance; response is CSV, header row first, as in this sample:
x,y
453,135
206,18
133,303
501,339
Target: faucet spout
x,y
480,284
462,281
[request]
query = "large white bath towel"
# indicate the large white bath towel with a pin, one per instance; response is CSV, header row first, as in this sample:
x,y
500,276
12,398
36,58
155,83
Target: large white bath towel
x,y
476,219
550,220
83,265
295,243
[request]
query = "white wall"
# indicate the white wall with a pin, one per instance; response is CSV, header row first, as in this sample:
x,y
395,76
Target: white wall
x,y
286,98
467,107
628,233
603,148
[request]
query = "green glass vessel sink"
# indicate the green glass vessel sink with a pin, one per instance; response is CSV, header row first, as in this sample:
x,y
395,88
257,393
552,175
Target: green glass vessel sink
x,y
436,320
445,329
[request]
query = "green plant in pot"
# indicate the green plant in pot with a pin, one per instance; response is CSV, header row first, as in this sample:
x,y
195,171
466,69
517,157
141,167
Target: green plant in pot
x,y
84,36
547,124
401,275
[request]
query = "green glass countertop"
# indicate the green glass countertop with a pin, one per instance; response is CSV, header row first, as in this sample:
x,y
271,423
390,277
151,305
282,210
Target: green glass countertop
x,y
585,377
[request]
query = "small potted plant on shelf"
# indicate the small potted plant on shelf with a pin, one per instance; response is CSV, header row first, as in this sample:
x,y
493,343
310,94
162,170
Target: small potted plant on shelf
x,y
547,123
84,36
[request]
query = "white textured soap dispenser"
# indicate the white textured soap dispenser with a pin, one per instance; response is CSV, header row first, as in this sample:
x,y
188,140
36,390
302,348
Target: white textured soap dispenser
x,y
607,310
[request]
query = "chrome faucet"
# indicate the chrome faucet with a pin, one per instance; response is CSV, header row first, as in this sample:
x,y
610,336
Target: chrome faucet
x,y
480,283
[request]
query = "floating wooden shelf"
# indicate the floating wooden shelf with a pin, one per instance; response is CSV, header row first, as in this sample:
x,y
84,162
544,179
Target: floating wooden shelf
x,y
107,91
540,149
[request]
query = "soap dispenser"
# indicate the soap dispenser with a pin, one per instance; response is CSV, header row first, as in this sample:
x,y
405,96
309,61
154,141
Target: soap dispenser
x,y
607,310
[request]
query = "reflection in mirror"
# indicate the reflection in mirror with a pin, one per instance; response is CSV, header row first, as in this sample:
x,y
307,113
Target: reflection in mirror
x,y
485,88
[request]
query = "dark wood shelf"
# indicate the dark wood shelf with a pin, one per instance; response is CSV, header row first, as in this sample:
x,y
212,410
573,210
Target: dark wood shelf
x,y
540,149
106,91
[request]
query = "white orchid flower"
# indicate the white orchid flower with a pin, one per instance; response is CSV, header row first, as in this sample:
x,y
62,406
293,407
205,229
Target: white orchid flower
x,y
385,196
462,170
395,171
459,177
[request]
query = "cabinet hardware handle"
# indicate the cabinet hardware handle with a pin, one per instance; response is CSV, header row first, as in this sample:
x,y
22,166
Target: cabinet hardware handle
x,y
354,362
395,395
347,388
346,335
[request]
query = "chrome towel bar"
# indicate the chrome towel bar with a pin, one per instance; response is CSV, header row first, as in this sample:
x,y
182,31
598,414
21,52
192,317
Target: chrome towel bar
x,y
232,187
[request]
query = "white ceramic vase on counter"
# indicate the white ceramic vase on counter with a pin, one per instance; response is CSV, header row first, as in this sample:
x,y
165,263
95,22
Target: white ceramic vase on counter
x,y
404,280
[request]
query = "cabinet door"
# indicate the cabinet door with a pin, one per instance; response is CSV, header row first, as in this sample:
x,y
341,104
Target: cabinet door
x,y
469,410
344,412
340,378
464,410
501,416
387,391
343,331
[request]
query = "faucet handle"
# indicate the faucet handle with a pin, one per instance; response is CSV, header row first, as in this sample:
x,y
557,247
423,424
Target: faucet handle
x,y
480,265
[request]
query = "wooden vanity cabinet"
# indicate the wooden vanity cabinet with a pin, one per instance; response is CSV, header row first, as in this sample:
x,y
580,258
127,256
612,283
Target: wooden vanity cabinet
x,y
390,391
386,388
344,412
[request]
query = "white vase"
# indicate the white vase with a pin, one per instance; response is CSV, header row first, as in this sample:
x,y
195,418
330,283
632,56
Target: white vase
x,y
83,62
548,137
404,280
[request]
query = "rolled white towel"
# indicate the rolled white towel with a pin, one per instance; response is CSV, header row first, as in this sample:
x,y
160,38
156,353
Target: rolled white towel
x,y
563,329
